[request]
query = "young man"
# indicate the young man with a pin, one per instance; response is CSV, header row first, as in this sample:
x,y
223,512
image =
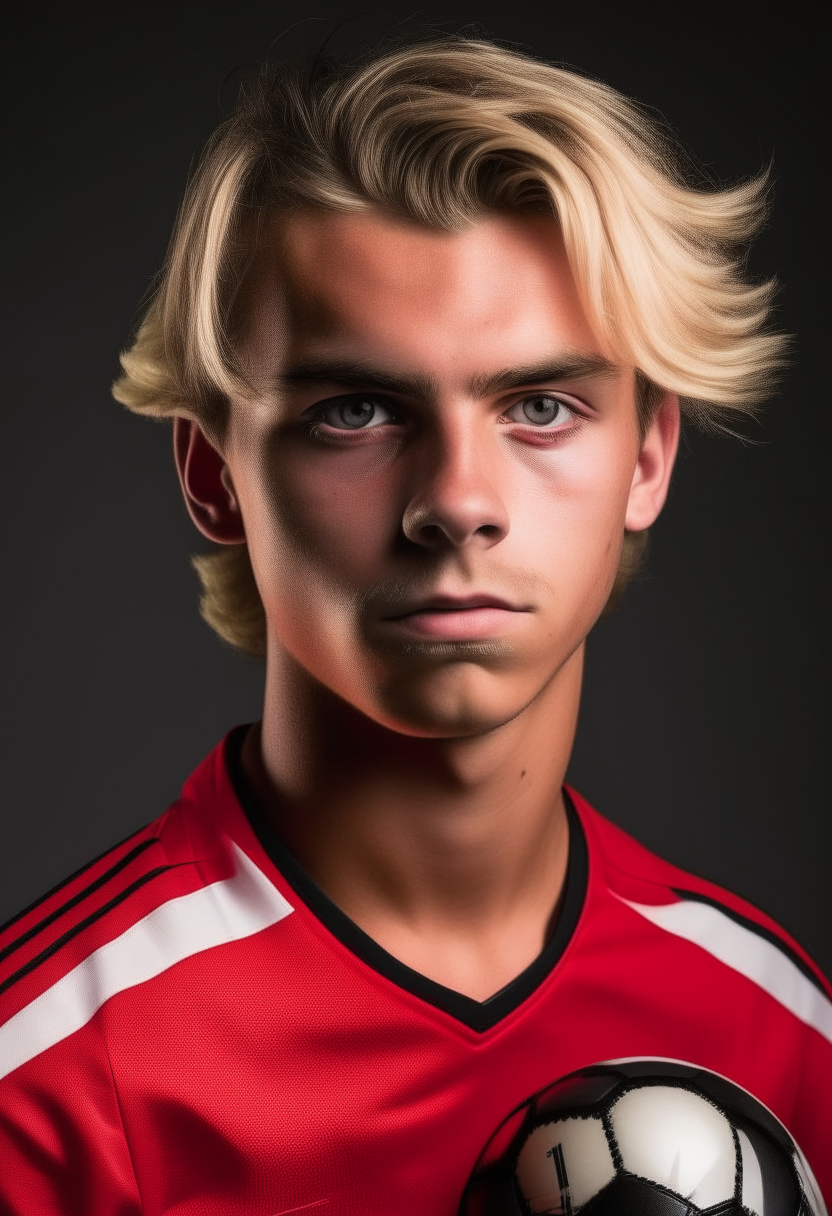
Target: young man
x,y
425,329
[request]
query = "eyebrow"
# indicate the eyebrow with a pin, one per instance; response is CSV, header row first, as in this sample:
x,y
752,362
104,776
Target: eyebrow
x,y
355,374
568,366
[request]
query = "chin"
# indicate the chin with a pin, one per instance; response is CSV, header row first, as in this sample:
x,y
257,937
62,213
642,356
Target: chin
x,y
456,703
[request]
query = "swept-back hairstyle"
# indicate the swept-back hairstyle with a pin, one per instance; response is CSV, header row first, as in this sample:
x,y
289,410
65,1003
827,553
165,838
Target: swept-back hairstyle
x,y
442,132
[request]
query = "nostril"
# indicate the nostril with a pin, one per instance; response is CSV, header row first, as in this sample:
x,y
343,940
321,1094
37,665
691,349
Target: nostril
x,y
432,532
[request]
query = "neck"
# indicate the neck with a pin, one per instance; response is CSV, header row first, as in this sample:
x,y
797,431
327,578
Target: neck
x,y
451,853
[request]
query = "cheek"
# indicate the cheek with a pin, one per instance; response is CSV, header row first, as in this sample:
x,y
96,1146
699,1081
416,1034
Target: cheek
x,y
574,501
328,514
570,529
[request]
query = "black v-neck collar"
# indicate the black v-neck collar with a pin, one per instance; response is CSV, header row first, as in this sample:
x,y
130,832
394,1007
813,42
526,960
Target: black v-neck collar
x,y
478,1015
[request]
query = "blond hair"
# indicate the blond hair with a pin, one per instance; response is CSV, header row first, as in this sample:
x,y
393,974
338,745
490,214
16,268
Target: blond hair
x,y
442,132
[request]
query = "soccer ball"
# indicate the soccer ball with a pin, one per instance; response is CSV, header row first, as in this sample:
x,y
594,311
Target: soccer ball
x,y
642,1138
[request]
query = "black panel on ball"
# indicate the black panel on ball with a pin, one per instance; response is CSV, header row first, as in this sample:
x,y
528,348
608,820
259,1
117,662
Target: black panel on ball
x,y
629,1196
581,1093
780,1189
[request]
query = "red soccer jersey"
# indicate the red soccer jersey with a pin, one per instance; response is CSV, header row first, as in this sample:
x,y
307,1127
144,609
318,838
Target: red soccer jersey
x,y
191,1026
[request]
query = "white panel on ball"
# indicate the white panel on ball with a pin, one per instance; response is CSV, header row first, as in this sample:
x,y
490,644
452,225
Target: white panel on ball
x,y
676,1138
578,1149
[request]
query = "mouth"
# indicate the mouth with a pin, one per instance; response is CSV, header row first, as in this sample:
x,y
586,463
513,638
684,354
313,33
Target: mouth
x,y
458,618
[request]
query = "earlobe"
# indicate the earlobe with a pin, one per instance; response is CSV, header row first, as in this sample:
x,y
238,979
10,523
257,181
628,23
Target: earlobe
x,y
651,479
206,485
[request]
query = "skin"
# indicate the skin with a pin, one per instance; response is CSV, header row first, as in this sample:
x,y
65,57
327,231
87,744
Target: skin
x,y
434,471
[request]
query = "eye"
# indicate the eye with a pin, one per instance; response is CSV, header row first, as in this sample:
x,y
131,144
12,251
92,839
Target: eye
x,y
541,409
355,413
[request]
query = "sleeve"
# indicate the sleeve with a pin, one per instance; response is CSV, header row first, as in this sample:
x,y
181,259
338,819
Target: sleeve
x,y
62,1143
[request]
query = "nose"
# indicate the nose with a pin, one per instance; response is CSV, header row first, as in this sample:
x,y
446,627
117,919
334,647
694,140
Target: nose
x,y
456,497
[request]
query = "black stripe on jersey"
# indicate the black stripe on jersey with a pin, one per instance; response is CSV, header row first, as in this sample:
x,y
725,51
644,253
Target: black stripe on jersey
x,y
27,968
41,899
761,931
78,898
478,1015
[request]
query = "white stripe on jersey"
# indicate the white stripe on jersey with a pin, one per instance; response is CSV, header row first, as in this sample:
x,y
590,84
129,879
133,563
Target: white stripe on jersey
x,y
222,912
746,952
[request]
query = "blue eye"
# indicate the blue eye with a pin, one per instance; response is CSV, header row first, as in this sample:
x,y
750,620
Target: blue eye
x,y
356,413
541,410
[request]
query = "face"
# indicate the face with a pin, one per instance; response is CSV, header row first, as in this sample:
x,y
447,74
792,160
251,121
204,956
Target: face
x,y
436,471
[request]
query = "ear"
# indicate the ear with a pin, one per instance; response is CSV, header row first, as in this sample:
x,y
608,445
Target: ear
x,y
651,478
206,485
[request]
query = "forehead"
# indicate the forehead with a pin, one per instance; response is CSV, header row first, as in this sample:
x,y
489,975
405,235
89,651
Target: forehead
x,y
499,292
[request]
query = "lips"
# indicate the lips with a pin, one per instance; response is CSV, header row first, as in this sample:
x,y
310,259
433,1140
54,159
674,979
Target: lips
x,y
458,618
451,603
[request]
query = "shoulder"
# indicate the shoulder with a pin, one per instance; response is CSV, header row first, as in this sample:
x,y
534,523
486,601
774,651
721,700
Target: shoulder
x,y
89,895
178,887
739,937
95,905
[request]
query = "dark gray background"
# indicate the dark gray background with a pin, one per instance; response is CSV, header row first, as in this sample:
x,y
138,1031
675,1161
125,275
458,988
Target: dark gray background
x,y
701,731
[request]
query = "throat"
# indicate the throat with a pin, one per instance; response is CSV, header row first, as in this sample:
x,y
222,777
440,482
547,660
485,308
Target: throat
x,y
478,976
464,889
477,960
